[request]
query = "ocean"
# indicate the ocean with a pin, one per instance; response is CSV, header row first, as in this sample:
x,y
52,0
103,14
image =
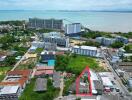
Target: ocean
x,y
102,21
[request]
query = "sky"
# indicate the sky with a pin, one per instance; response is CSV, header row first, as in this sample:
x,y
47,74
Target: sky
x,y
66,5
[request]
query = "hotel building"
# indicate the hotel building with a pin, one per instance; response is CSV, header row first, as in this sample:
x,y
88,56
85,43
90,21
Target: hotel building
x,y
45,23
72,28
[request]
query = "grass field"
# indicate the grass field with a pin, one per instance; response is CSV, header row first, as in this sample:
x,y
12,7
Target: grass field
x,y
78,63
29,94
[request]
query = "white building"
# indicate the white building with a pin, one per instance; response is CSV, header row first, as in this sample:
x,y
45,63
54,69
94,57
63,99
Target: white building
x,y
85,50
57,38
38,44
97,86
130,83
105,41
10,92
106,79
72,28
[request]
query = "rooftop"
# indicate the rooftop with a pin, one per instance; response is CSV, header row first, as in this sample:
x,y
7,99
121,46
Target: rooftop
x,y
86,47
53,34
41,84
9,90
44,72
48,52
16,77
20,72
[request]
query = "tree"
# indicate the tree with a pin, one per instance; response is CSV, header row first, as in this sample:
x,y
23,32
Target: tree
x,y
61,62
91,43
128,48
131,58
117,44
6,41
10,60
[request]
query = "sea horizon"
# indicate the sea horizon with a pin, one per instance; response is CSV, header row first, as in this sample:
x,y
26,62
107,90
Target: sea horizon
x,y
109,21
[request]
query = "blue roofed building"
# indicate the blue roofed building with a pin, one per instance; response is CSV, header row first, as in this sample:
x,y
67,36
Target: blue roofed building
x,y
47,55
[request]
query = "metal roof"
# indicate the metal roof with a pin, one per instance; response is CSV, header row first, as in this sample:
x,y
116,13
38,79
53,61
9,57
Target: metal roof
x,y
9,90
41,84
86,47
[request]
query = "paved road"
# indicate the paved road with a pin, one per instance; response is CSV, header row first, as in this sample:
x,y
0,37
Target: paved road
x,y
120,84
61,86
60,97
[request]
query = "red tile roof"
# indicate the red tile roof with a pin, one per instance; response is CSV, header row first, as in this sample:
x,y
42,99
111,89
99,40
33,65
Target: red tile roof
x,y
45,72
45,68
9,83
20,72
24,77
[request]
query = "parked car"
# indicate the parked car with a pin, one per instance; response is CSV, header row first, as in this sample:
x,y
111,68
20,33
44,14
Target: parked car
x,y
117,90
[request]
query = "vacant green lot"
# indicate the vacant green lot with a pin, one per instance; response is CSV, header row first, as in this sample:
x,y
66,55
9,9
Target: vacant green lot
x,y
29,94
76,63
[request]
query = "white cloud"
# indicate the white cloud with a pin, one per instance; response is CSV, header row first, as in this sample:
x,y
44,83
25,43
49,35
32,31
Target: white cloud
x,y
66,4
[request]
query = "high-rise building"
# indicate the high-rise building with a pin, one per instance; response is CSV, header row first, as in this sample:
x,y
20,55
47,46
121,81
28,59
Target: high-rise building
x,y
72,28
45,23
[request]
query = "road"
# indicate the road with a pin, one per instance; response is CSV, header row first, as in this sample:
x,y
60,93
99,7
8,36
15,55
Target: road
x,y
120,84
23,57
61,86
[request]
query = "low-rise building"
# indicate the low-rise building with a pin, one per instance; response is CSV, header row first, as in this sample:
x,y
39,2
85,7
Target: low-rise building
x,y
126,68
32,49
2,58
57,38
122,39
105,41
97,84
130,83
38,44
50,46
85,50
107,84
47,55
14,83
40,85
108,41
113,55
9,92
43,70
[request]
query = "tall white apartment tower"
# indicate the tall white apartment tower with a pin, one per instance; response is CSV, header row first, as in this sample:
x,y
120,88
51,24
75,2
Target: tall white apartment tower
x,y
72,28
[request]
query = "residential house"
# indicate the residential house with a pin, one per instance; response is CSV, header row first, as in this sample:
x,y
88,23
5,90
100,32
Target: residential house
x,y
40,85
43,70
14,83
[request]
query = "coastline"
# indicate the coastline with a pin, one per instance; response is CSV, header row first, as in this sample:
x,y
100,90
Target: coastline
x,y
108,21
